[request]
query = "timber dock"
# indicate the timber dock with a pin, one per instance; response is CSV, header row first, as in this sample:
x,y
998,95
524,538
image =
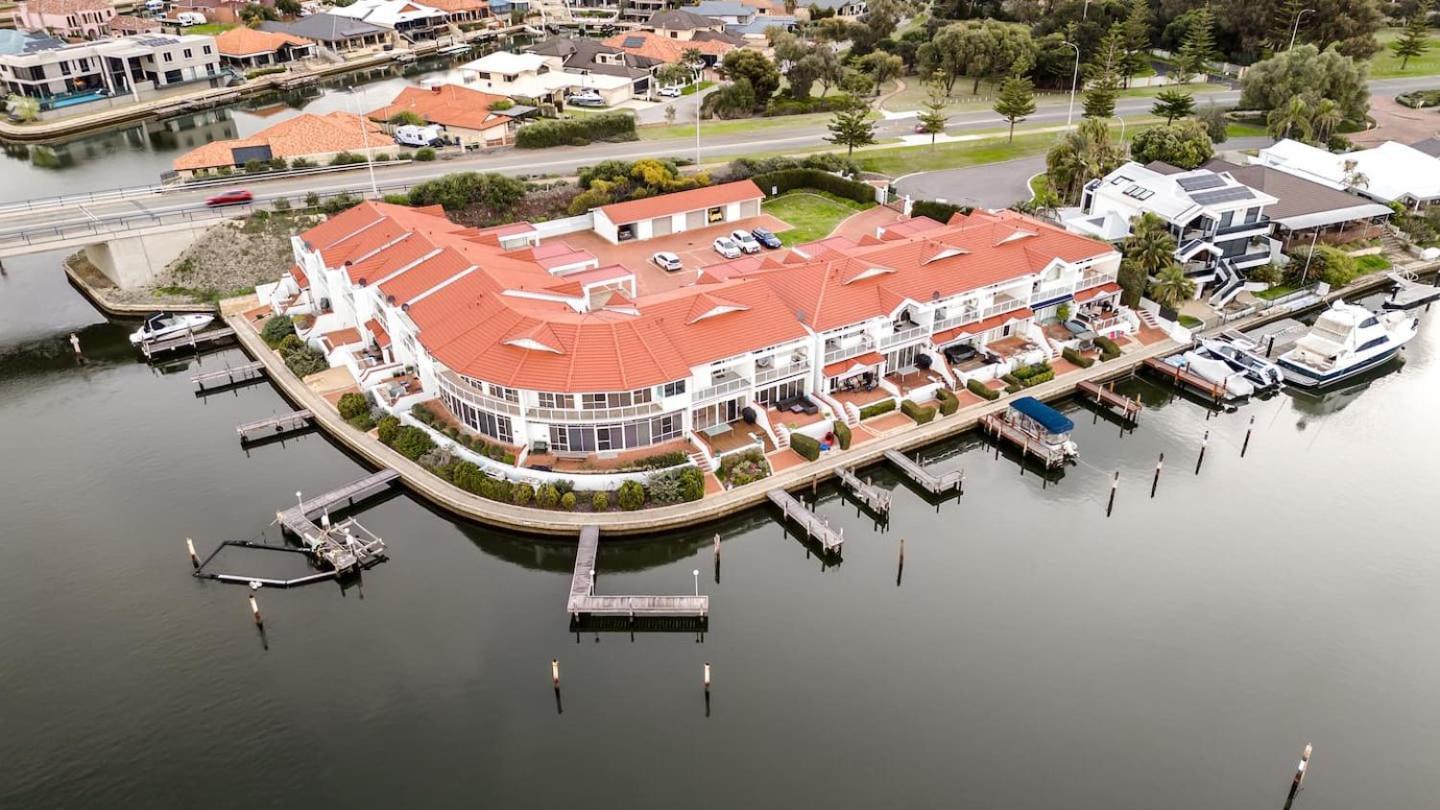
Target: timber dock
x,y
1183,378
274,425
876,499
233,375
190,340
338,545
993,424
815,528
933,484
584,601
1101,395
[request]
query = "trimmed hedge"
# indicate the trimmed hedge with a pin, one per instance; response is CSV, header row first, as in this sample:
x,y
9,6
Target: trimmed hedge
x,y
949,403
1077,358
613,126
982,390
842,434
775,183
920,413
1108,349
805,446
877,409
938,211
1026,376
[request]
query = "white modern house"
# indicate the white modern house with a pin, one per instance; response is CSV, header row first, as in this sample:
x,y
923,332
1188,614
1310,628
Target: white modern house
x,y
1219,223
1390,172
410,20
542,77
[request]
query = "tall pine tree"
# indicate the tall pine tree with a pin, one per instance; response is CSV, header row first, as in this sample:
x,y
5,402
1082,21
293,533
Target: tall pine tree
x,y
1105,75
1198,48
933,116
1016,101
1137,39
1415,40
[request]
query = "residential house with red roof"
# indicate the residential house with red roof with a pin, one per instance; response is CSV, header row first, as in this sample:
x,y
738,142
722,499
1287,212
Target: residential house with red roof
x,y
248,48
650,217
465,116
69,19
540,347
315,138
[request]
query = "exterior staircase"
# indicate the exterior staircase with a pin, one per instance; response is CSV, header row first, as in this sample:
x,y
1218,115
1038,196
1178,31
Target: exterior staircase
x,y
701,460
782,437
1148,318
1231,283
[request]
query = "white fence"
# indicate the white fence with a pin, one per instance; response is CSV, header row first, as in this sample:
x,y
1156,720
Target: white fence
x,y
559,227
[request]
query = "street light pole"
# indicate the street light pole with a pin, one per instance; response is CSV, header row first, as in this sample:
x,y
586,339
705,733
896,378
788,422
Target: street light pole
x,y
696,573
365,141
1296,29
1074,82
1122,131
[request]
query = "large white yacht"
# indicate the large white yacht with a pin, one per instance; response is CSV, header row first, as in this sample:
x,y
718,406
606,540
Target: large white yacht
x,y
1346,340
165,324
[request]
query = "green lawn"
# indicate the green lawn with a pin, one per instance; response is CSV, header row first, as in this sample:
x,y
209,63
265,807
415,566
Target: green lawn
x,y
209,28
813,215
1372,263
1191,322
1386,63
1277,291
1239,130
732,127
896,161
692,89
1038,183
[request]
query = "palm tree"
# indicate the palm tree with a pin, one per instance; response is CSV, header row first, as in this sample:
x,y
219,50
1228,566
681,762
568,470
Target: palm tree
x,y
1325,119
1081,155
1171,287
1150,244
1354,178
1295,116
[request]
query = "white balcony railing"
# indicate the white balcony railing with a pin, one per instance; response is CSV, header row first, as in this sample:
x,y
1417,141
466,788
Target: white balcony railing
x,y
464,391
1009,305
720,389
766,375
1055,290
594,414
970,315
843,352
1094,281
903,336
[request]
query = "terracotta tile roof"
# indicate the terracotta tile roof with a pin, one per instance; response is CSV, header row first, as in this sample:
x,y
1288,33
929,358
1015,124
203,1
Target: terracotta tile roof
x,y
446,104
340,337
302,280
63,7
458,6
1096,292
127,23
653,46
382,337
682,201
301,136
248,41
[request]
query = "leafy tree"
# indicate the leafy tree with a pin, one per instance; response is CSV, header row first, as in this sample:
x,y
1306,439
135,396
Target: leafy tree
x,y
754,67
1184,144
290,8
825,66
1132,283
1081,155
1016,101
252,14
1150,245
1349,25
1415,40
693,59
352,405
735,100
407,117
881,67
1324,118
979,49
882,16
674,75
456,192
1216,124
1171,287
801,77
1293,118
933,117
22,108
1306,71
1172,104
1105,77
851,127
1136,30
856,84
1198,49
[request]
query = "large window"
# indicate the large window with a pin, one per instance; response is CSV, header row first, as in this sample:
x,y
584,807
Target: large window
x,y
501,392
548,400
623,436
783,391
618,399
493,425
672,389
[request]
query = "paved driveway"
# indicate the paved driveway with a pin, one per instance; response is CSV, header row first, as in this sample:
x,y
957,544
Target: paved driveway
x,y
993,185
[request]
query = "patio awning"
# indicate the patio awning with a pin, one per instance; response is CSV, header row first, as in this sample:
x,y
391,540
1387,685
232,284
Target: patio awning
x,y
854,365
980,327
1096,292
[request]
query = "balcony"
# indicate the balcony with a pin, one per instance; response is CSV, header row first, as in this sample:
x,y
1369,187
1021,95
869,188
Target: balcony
x,y
766,375
1251,259
622,412
1001,307
904,336
842,352
970,314
1094,281
1261,225
725,384
462,390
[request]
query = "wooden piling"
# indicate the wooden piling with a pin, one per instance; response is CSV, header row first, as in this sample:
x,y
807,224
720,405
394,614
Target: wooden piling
x,y
255,611
1156,482
555,672
707,676
1204,440
1114,484
1246,445
194,558
1300,771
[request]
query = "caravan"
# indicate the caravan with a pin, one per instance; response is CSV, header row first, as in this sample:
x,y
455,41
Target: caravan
x,y
412,135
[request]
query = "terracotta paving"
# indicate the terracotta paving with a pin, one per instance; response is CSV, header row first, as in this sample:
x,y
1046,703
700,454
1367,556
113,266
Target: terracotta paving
x,y
1149,335
860,398
713,485
1063,366
967,399
859,435
1396,122
888,423
610,462
793,419
784,460
865,222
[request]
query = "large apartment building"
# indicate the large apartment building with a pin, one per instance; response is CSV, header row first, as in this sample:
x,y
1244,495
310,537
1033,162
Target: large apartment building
x,y
61,74
537,345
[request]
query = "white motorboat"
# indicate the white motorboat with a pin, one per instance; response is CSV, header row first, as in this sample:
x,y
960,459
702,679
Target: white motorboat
x,y
1407,293
1346,340
1263,373
170,324
1218,371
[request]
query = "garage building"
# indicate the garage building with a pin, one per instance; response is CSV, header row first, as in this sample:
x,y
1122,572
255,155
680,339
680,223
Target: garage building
x,y
682,211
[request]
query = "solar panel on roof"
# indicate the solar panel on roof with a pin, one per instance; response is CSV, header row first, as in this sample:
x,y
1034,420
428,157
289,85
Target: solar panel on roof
x,y
1223,195
1200,182
634,42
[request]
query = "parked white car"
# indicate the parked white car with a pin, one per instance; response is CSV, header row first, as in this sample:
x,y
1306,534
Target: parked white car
x,y
670,91
726,247
746,242
667,261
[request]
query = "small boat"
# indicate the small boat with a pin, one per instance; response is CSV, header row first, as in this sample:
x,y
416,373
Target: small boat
x,y
1215,370
169,324
1263,373
1046,426
1346,340
1407,293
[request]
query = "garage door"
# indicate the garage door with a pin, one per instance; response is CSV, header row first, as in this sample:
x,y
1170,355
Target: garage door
x,y
662,226
749,208
694,220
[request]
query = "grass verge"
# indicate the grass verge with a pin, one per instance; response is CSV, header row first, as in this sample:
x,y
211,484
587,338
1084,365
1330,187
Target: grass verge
x,y
1386,63
812,214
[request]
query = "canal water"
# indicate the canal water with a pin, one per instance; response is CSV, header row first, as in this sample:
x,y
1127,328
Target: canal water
x,y
137,154
1032,653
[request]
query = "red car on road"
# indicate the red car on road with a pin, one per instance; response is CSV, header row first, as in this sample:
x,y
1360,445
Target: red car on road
x,y
231,197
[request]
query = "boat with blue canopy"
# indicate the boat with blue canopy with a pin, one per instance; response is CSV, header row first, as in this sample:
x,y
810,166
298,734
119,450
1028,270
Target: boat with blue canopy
x,y
1037,428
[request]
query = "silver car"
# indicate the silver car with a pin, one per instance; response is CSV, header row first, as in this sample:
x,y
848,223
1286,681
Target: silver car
x,y
726,247
746,242
667,261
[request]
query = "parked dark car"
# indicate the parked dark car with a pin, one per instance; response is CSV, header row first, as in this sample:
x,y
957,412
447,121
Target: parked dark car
x,y
766,238
234,196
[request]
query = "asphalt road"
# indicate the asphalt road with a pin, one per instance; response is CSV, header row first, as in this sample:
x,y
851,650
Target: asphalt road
x,y
176,203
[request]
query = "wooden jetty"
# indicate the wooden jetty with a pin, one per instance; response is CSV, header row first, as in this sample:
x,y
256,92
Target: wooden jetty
x,y
1182,376
933,484
993,424
1101,395
190,340
345,545
815,528
584,601
229,376
872,496
274,425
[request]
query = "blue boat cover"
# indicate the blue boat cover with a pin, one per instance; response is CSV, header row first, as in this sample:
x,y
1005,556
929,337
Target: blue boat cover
x,y
1049,418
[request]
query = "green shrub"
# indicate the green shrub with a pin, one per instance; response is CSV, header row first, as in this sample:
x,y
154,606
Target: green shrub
x,y
982,390
289,345
352,405
312,200
424,154
276,329
266,71
547,496
920,413
938,211
600,501
877,408
362,421
1108,349
739,469
388,427
346,159
1076,357
779,182
567,502
611,126
412,442
659,461
520,494
302,163
631,496
306,361
949,403
1034,374
842,434
805,446
677,486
